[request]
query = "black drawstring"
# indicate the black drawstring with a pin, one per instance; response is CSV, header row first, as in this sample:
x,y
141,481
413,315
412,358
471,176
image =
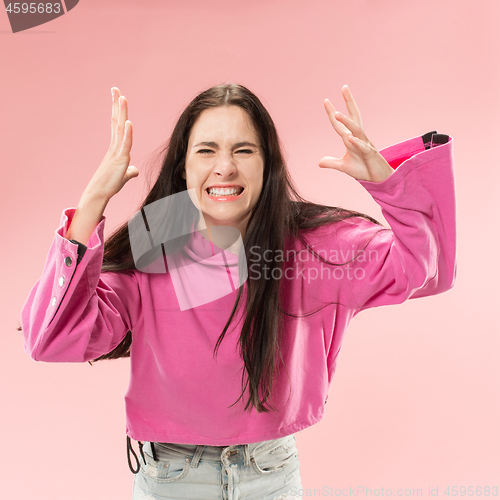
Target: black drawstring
x,y
130,449
140,449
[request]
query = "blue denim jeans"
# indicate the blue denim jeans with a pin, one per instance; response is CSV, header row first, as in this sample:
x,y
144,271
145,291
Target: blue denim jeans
x,y
268,470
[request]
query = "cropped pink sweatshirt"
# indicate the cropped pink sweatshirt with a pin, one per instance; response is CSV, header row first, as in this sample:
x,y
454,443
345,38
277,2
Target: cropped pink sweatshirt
x,y
179,392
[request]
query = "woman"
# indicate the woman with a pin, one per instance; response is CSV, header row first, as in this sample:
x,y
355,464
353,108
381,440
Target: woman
x,y
247,281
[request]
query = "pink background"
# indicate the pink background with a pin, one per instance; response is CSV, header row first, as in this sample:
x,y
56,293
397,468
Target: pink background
x,y
414,403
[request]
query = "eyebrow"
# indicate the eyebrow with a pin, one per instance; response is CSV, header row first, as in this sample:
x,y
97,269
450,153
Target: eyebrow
x,y
215,145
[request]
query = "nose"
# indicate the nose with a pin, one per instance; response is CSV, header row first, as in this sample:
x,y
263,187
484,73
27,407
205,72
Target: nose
x,y
225,166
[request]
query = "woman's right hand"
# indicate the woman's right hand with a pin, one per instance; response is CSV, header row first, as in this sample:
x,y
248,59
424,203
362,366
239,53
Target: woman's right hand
x,y
114,171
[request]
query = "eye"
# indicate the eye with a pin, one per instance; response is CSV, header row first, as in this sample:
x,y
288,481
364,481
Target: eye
x,y
246,151
205,151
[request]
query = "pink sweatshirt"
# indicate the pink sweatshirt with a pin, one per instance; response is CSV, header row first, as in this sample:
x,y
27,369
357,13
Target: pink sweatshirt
x,y
178,391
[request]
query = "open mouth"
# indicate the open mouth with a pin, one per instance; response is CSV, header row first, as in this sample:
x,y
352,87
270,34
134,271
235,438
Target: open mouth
x,y
224,194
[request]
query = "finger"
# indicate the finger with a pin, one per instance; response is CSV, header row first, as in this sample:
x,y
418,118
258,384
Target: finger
x,y
351,105
126,145
122,118
339,127
131,173
329,162
364,149
351,125
357,130
115,93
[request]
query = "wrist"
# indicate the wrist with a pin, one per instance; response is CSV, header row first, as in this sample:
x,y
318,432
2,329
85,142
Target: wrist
x,y
90,199
384,176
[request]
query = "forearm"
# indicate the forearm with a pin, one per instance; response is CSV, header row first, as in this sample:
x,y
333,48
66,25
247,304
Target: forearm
x,y
417,258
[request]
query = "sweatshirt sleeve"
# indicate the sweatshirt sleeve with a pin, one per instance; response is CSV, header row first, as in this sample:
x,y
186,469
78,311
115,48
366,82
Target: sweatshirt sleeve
x,y
416,257
74,312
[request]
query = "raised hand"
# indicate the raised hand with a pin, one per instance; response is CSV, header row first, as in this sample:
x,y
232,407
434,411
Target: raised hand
x,y
361,159
114,170
112,174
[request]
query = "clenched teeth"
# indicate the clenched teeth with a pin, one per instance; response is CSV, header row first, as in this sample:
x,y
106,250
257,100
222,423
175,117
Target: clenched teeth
x,y
224,191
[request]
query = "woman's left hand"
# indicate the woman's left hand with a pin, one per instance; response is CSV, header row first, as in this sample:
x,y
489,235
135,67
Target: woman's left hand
x,y
361,159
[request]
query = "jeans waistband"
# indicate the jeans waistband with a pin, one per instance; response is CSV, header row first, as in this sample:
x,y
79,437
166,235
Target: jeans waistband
x,y
225,454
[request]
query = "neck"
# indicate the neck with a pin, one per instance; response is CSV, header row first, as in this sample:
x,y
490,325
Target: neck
x,y
225,237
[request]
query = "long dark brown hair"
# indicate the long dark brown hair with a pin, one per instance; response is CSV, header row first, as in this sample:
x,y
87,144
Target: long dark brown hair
x,y
280,213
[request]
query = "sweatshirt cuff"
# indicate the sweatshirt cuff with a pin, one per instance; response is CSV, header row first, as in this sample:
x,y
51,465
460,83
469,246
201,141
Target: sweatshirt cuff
x,y
418,147
402,151
81,250
95,240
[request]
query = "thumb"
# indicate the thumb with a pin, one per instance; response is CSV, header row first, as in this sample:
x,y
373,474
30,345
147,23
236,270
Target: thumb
x,y
329,162
131,173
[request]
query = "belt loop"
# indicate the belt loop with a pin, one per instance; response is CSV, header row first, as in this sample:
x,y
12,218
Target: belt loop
x,y
197,455
246,454
130,449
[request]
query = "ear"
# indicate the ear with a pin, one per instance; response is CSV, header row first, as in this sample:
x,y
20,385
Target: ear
x,y
183,173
